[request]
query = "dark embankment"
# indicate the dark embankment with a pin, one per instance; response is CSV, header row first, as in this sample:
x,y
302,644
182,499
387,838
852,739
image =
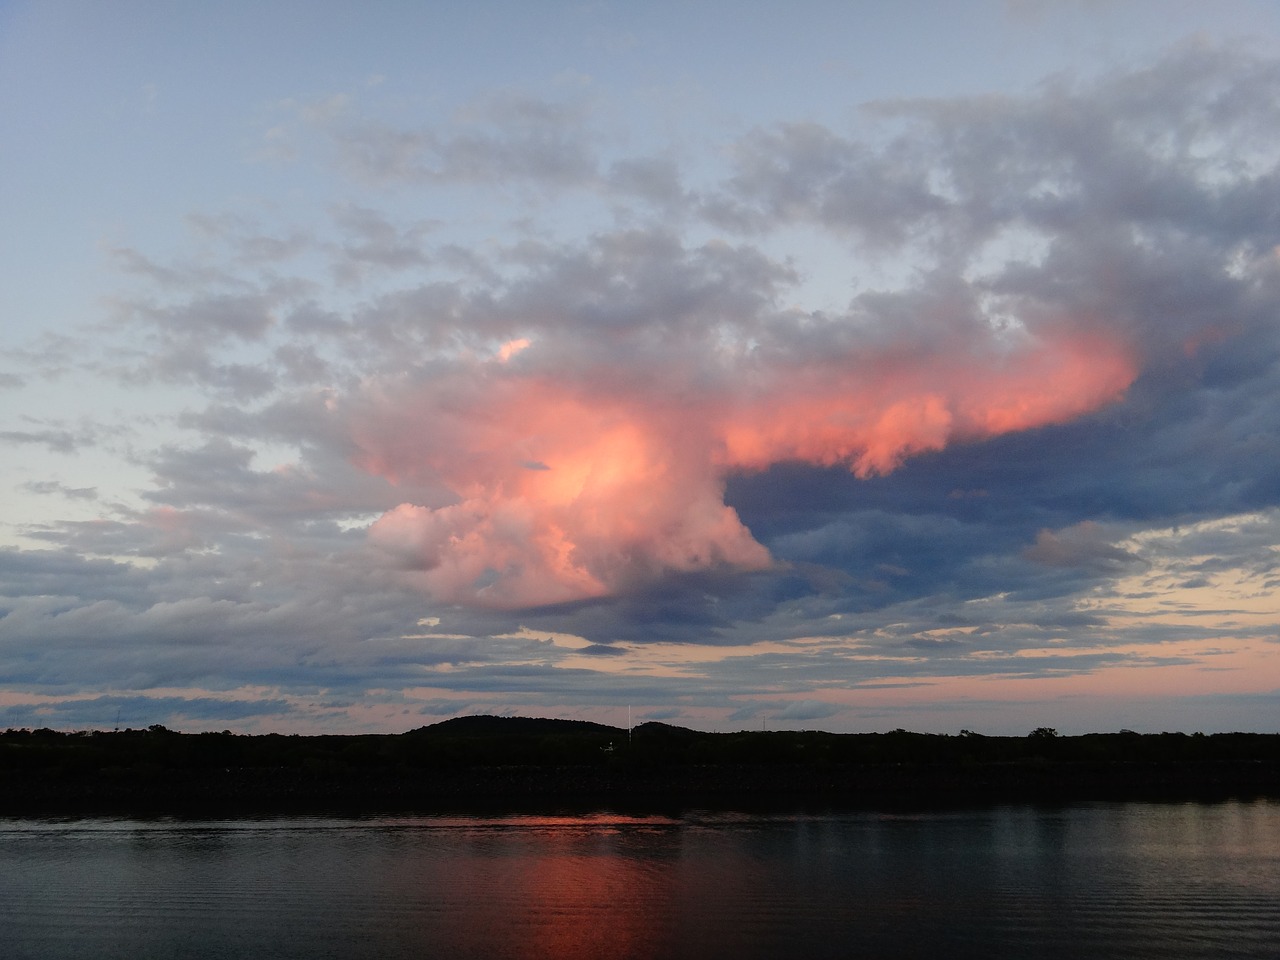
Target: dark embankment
x,y
492,763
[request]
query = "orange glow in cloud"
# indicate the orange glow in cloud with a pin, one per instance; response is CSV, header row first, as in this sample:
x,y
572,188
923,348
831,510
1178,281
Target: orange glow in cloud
x,y
511,348
874,423
568,490
564,497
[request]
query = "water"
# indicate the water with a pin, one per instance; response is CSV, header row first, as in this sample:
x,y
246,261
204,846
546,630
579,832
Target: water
x,y
1101,880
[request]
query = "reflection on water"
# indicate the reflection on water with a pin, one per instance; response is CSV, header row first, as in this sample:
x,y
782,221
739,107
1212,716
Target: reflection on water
x,y
1117,880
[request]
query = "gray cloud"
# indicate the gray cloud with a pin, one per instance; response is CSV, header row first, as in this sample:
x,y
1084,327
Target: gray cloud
x,y
1138,208
55,487
508,137
1084,545
807,710
53,435
373,241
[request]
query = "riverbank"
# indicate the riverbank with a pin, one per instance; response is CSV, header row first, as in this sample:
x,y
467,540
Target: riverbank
x,y
512,764
748,787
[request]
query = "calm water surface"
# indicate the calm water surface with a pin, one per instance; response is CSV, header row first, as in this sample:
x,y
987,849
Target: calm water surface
x,y
1106,880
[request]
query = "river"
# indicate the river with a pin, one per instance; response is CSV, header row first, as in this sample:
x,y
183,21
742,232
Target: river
x,y
1127,880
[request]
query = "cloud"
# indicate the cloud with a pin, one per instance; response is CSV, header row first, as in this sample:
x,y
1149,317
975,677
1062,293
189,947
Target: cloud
x,y
52,435
500,139
1084,545
632,488
1127,290
53,486
373,241
966,389
654,179
601,650
566,418
807,710
138,712
1172,144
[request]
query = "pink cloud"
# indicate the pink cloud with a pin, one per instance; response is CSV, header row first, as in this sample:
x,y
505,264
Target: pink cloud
x,y
874,415
568,489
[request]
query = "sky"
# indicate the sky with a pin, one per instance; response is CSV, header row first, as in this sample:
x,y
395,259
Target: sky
x,y
738,365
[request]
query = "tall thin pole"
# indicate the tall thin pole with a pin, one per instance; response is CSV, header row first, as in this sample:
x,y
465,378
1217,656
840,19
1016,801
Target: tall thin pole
x,y
628,724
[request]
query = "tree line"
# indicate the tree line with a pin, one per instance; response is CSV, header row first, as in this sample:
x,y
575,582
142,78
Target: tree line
x,y
534,742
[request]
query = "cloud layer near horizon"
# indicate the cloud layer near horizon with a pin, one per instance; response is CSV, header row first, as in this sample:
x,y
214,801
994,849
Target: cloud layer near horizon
x,y
831,385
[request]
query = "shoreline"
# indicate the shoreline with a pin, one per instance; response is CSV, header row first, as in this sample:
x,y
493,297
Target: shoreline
x,y
248,791
514,764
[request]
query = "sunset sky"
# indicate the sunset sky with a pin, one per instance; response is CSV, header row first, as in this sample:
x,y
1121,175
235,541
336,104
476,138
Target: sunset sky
x,y
842,366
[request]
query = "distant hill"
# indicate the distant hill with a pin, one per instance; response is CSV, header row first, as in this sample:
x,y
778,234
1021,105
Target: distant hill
x,y
486,726
666,733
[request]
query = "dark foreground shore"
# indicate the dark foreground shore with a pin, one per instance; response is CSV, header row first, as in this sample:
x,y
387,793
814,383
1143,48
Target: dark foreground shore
x,y
486,764
281,790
